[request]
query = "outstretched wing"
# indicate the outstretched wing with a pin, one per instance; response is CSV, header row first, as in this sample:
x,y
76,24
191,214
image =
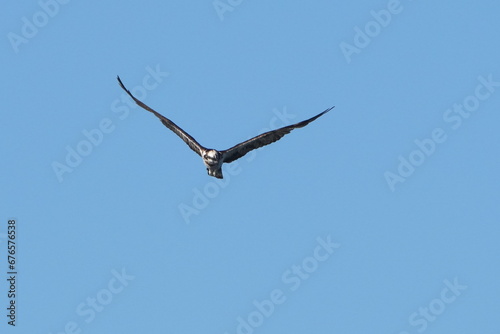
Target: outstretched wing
x,y
264,139
192,143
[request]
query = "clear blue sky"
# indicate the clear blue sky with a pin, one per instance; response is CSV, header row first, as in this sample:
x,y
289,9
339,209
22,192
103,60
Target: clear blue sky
x,y
380,217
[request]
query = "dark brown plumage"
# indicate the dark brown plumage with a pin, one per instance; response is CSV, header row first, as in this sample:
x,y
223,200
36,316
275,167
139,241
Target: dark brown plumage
x,y
214,159
264,139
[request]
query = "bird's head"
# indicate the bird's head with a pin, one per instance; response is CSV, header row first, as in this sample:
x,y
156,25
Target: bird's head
x,y
211,157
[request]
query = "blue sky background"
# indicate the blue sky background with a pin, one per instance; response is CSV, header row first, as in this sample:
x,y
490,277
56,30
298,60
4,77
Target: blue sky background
x,y
195,255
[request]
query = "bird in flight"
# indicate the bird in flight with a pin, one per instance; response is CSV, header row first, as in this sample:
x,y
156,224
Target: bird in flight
x,y
213,159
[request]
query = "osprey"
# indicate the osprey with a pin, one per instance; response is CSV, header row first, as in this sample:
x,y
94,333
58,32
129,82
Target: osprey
x,y
214,159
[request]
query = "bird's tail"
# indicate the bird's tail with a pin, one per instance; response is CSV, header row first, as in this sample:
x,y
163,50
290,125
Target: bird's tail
x,y
215,173
218,173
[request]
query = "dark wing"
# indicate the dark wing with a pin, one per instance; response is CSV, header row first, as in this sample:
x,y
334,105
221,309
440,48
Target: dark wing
x,y
264,139
193,144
